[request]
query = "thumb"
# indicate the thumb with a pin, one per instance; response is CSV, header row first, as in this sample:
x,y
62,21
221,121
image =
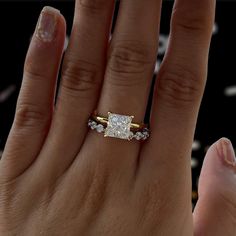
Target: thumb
x,y
215,212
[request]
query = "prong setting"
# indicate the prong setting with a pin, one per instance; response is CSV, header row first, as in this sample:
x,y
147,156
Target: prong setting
x,y
118,126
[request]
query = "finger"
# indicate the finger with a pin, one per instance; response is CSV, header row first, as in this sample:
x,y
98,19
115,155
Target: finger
x,y
131,61
36,99
215,212
180,85
82,75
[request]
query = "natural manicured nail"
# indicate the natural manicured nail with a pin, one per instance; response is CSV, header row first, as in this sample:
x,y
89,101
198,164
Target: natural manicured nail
x,y
46,27
226,150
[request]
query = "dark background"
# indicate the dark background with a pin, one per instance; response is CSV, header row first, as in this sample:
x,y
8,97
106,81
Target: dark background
x,y
217,114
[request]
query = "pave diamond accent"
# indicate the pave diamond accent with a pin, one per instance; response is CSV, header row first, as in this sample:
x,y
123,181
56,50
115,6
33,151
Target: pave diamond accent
x,y
100,128
139,136
118,126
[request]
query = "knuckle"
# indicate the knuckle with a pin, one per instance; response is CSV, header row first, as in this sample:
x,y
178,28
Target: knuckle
x,y
33,71
93,6
30,116
191,22
79,78
128,61
179,87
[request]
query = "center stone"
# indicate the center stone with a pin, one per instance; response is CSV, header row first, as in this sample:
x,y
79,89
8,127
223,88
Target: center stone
x,y
118,126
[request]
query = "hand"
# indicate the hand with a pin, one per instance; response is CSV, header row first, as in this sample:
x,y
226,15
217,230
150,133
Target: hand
x,y
59,178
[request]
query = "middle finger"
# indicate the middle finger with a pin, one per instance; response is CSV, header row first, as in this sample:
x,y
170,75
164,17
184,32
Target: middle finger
x,y
82,76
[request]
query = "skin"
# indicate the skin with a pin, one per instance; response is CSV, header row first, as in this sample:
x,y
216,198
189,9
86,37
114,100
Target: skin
x,y
59,178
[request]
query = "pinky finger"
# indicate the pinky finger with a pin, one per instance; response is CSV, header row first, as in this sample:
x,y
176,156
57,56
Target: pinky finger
x,y
35,103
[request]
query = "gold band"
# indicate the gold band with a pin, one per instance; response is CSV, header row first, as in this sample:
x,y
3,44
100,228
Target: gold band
x,y
104,121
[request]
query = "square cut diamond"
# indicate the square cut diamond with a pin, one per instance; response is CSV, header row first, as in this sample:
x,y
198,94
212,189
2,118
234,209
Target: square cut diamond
x,y
118,126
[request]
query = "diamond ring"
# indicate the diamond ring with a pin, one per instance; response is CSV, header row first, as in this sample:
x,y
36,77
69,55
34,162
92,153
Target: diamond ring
x,y
118,126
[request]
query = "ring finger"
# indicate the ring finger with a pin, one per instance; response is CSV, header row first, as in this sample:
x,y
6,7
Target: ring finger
x,y
130,66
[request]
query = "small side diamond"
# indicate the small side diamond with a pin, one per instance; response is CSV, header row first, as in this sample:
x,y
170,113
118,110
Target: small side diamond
x,y
139,135
89,123
145,135
146,130
100,128
93,125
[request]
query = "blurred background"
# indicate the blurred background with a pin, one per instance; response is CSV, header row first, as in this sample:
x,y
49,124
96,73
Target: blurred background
x,y
217,115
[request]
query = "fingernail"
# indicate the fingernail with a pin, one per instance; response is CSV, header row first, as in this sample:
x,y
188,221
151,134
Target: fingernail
x,y
226,150
46,27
